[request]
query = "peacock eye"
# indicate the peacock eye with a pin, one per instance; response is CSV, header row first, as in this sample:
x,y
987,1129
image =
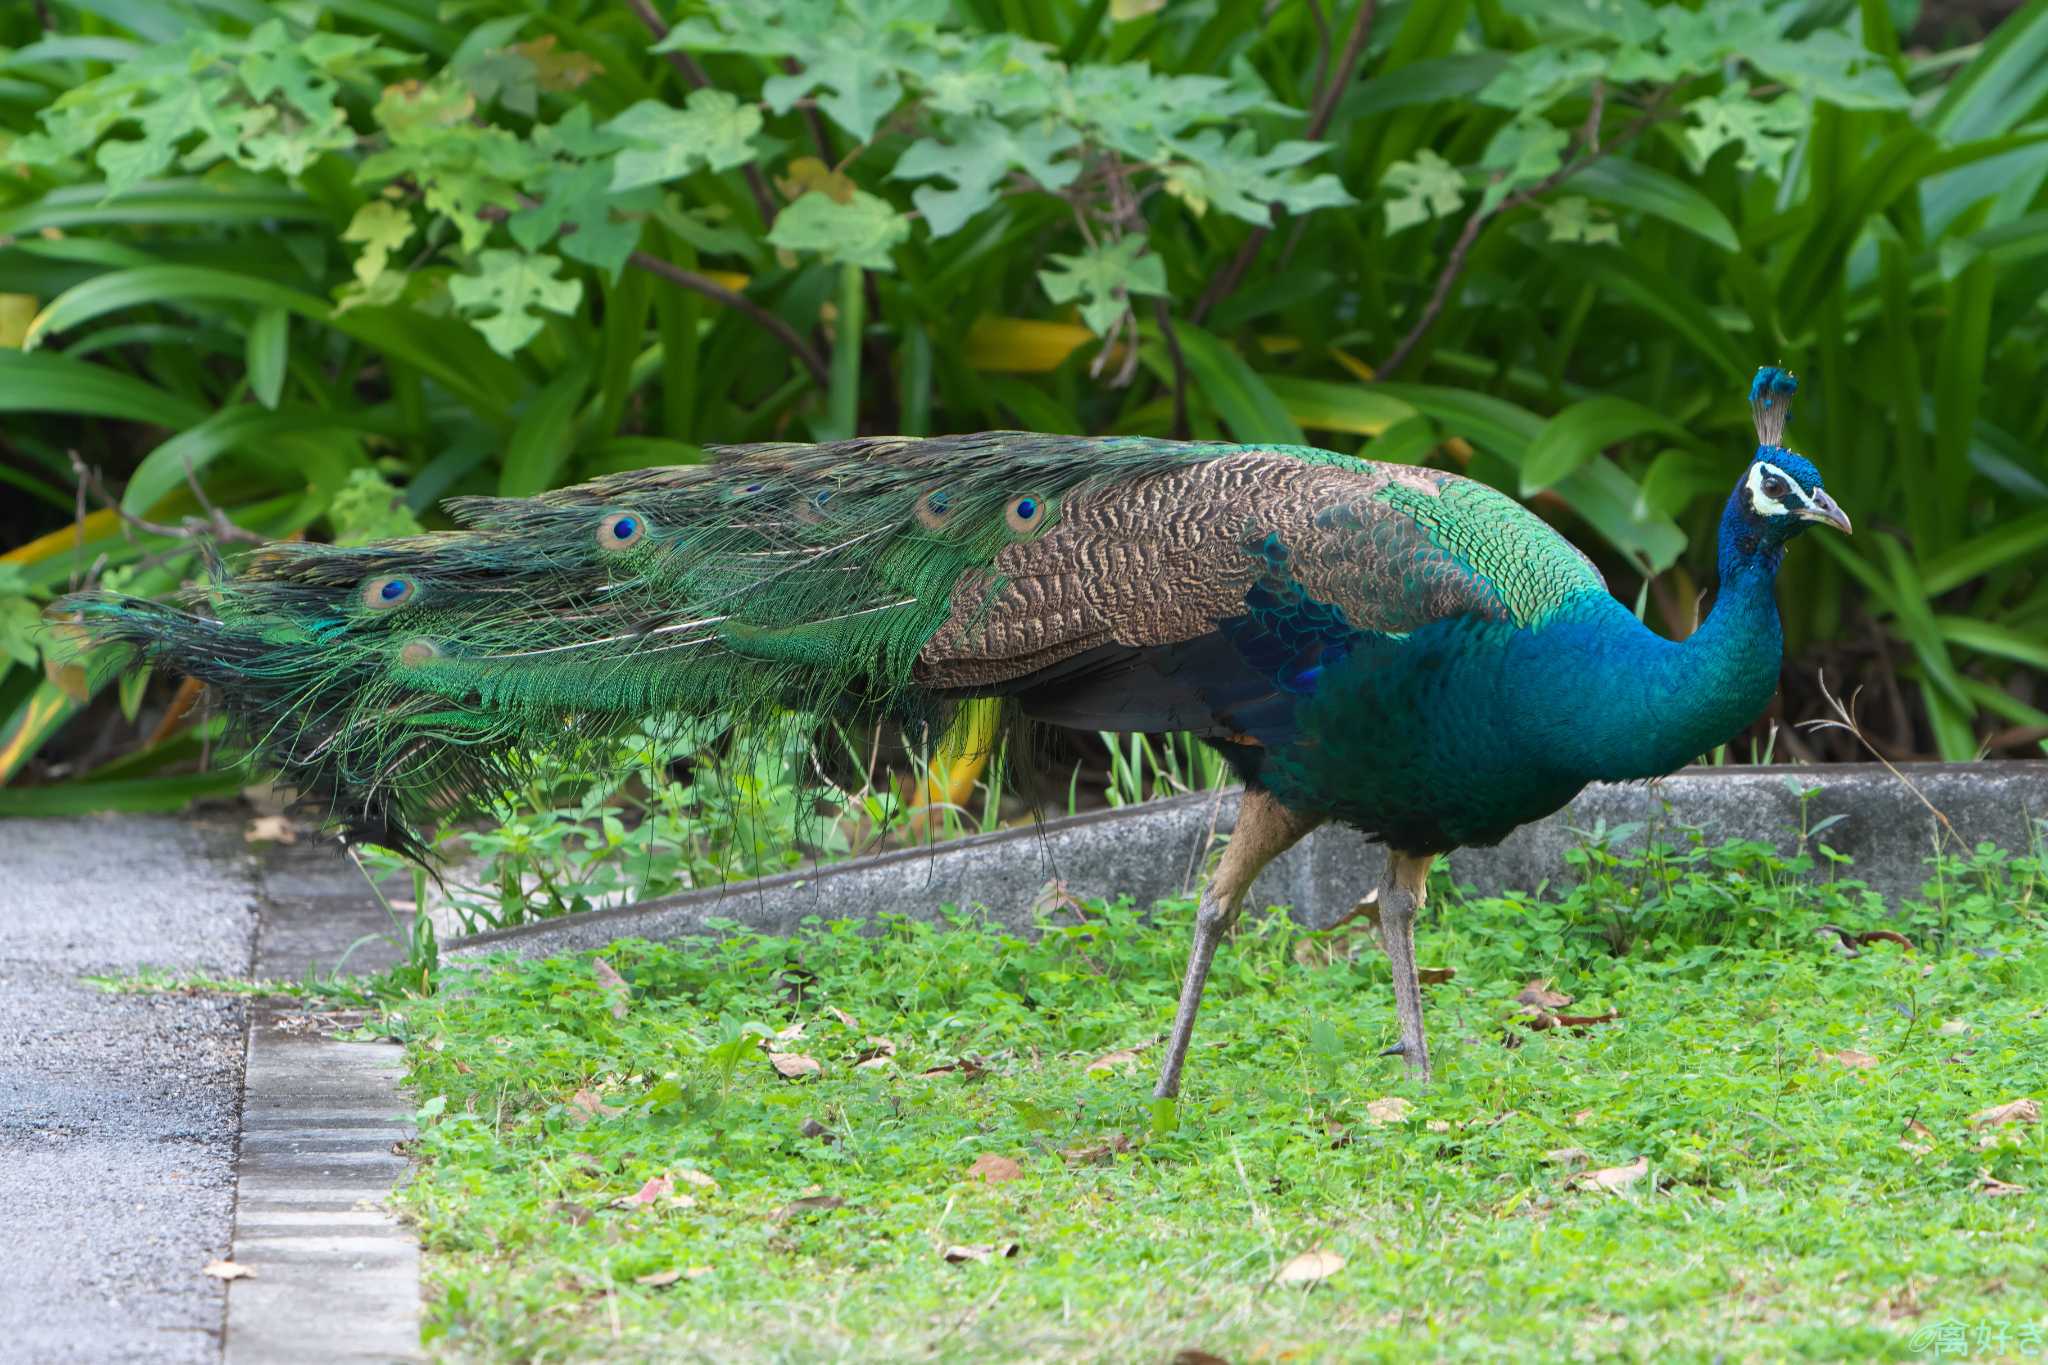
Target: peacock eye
x,y
935,509
621,531
1775,487
382,594
418,651
1026,514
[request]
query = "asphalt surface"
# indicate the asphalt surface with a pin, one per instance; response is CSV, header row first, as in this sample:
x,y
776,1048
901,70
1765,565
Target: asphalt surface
x,y
118,1113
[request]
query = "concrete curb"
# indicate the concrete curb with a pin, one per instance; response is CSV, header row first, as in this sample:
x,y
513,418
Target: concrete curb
x,y
1160,849
335,1275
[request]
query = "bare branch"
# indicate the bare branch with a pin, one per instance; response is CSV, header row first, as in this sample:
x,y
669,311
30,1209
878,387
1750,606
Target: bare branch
x,y
712,289
1588,151
1164,317
215,523
1325,107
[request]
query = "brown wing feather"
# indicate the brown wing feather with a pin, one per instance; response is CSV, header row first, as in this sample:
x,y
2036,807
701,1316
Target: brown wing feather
x,y
1161,559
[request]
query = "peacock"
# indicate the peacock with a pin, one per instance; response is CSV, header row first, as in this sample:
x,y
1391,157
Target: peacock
x,y
1393,647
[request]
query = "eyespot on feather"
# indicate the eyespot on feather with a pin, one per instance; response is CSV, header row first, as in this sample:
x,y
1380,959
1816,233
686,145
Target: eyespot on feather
x,y
419,651
1026,515
621,531
388,592
934,509
813,508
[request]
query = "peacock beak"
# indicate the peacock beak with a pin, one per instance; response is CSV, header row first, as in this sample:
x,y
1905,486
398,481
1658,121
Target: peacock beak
x,y
1822,508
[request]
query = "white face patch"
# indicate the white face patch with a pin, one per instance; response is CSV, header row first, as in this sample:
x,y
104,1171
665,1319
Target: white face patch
x,y
1762,503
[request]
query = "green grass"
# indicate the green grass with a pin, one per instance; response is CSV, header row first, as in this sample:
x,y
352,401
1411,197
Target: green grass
x,y
1779,1215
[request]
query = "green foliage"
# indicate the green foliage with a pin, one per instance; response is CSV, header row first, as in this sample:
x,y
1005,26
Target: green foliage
x,y
550,1097
284,246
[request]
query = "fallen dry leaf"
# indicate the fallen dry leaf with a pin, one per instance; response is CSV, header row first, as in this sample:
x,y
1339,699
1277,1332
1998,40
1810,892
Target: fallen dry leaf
x,y
270,829
1849,943
1611,1178
1095,1153
657,1187
1435,976
1110,1061
575,1215
1309,1268
813,1203
585,1105
1437,1126
787,1034
2012,1111
994,1169
1991,1187
696,1272
614,985
954,1255
690,1177
1951,1027
791,1065
1194,1355
1539,1019
1918,1138
1567,1156
1538,993
659,1278
1582,1118
228,1270
1390,1109
1850,1057
877,1064
852,1025
968,1067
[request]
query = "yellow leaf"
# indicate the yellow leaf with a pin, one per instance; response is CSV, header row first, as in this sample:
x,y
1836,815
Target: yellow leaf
x,y
16,310
808,173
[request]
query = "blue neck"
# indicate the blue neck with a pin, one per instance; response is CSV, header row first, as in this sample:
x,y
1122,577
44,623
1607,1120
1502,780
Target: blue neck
x,y
1651,705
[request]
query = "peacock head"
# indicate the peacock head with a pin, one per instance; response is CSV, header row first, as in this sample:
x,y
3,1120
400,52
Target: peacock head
x,y
1780,495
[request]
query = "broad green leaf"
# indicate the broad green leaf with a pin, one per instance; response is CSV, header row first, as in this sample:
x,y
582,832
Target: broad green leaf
x,y
47,382
1632,185
1523,152
1572,219
367,508
1221,380
2005,84
1765,130
507,294
175,285
1574,436
1238,179
861,232
1105,280
1988,637
1539,77
976,161
1419,190
1324,405
269,338
712,131
545,434
382,227
186,455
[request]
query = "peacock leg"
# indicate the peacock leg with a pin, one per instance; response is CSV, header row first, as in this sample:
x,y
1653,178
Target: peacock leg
x,y
1407,883
1265,830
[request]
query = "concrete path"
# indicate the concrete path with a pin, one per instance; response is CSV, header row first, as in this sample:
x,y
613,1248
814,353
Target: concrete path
x,y
118,1113
123,1127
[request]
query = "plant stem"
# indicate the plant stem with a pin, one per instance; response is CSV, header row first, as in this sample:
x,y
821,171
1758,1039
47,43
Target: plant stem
x,y
842,409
